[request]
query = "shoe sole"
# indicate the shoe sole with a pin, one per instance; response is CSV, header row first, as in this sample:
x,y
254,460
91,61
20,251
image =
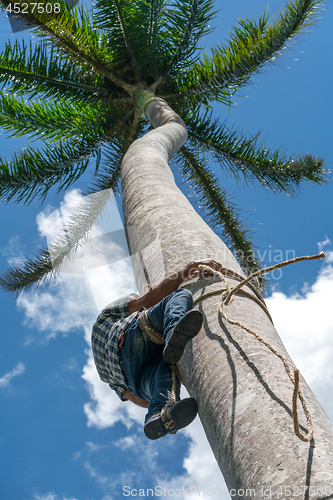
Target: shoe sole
x,y
182,414
155,429
185,412
187,328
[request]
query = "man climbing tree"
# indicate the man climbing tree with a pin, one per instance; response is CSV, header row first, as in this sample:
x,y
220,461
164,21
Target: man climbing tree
x,y
135,349
130,86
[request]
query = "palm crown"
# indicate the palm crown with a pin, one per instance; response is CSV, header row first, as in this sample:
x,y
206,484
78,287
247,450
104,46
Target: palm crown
x,y
78,88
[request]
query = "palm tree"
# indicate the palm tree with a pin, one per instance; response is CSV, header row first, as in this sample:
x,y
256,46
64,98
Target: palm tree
x,y
96,86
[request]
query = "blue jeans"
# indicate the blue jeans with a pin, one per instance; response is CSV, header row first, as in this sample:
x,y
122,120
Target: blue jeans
x,y
147,375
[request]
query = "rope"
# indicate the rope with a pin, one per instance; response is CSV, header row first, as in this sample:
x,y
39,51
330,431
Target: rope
x,y
321,255
225,299
166,416
261,303
148,329
174,380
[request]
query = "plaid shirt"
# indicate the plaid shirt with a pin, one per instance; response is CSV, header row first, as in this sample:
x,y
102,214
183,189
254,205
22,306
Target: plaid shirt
x,y
110,324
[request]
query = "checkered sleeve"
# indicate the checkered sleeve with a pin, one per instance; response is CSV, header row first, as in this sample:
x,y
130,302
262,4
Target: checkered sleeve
x,y
119,308
119,390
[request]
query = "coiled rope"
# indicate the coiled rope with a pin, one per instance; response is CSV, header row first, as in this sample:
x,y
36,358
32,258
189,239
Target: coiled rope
x,y
227,297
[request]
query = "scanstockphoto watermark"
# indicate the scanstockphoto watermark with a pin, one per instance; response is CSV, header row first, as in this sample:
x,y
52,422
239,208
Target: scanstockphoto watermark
x,y
280,492
162,491
267,258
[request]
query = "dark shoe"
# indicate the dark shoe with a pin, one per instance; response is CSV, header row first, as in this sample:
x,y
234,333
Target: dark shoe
x,y
186,328
174,416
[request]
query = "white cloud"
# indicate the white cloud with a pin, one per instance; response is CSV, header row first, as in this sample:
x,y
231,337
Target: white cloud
x,y
18,370
148,464
202,472
50,222
105,408
47,496
65,305
91,252
126,442
13,251
50,496
74,300
110,282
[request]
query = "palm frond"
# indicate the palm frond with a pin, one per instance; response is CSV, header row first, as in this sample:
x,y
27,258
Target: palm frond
x,y
32,172
47,120
76,36
35,272
252,44
108,175
31,272
38,271
128,43
245,156
157,21
135,34
154,37
220,211
188,22
41,70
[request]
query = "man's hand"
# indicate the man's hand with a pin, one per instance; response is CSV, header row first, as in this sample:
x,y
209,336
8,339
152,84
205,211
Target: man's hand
x,y
138,401
192,269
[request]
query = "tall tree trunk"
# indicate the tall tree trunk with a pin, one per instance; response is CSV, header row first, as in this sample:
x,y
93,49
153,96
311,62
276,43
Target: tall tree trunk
x,y
243,392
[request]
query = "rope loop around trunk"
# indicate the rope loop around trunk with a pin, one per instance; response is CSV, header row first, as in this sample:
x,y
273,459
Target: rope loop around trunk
x,y
226,297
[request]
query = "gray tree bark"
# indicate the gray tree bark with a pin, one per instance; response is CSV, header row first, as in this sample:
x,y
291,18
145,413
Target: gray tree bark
x,y
243,392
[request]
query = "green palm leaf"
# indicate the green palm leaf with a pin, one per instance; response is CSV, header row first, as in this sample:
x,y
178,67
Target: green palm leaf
x,y
41,70
47,120
247,157
188,22
252,45
82,78
24,276
32,172
76,36
35,272
137,34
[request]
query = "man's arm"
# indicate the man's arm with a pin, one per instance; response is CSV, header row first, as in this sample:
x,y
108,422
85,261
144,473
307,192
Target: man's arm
x,y
138,401
169,285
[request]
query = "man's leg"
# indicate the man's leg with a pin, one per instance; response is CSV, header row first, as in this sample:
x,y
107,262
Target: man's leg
x,y
146,373
136,353
159,385
149,376
170,310
166,412
174,318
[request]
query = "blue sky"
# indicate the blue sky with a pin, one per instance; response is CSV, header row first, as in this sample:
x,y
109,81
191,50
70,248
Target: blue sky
x,y
64,435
